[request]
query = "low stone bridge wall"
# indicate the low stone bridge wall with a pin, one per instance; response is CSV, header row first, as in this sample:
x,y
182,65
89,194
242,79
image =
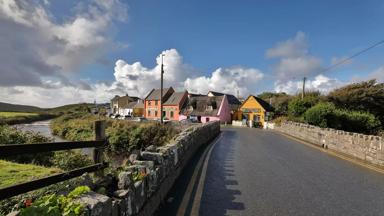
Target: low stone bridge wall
x,y
161,167
359,146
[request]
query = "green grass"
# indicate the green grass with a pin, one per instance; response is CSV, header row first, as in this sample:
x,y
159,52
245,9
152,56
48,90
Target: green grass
x,y
16,114
14,173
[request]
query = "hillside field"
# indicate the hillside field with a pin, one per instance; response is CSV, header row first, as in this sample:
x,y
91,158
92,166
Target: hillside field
x,y
14,173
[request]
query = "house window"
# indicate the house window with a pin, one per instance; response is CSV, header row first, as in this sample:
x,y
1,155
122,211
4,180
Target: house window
x,y
149,112
206,119
155,113
164,114
155,103
171,114
149,103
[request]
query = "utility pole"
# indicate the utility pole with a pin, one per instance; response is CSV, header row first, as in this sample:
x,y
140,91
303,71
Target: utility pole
x,y
303,93
161,90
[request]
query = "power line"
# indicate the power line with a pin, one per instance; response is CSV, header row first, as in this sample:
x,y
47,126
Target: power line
x,y
352,56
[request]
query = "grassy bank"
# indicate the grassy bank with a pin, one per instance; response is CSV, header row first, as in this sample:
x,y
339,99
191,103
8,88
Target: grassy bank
x,y
23,117
123,136
14,173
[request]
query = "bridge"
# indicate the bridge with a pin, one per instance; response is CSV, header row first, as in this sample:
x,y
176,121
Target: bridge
x,y
260,172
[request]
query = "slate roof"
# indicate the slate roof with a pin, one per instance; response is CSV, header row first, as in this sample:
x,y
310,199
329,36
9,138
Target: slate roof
x,y
232,99
175,98
155,93
200,105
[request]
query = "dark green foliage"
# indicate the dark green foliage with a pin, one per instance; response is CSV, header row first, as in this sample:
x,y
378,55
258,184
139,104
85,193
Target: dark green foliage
x,y
357,121
123,136
70,160
322,115
297,106
277,100
57,205
10,135
364,96
326,115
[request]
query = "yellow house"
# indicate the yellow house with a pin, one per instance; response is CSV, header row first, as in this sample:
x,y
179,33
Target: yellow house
x,y
256,110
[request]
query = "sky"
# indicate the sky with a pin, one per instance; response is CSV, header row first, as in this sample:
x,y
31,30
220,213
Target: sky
x,y
55,52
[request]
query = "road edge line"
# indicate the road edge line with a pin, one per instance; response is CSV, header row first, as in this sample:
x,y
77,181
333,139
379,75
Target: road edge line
x,y
200,187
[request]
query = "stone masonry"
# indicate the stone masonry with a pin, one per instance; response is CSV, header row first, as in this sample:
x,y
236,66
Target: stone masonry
x,y
366,148
158,168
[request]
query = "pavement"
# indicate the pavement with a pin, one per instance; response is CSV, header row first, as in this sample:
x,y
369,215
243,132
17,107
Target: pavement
x,y
259,172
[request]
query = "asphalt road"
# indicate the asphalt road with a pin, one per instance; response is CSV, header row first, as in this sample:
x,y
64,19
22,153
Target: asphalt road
x,y
258,172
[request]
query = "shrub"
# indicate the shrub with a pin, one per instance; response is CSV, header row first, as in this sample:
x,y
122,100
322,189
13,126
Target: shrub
x,y
10,135
298,106
57,204
322,115
356,121
70,160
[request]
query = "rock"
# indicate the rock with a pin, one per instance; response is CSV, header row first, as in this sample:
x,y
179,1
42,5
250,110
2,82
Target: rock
x,y
96,204
158,158
147,163
151,148
140,195
115,207
124,180
135,155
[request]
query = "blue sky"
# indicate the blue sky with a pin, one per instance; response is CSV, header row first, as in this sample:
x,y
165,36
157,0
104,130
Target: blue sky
x,y
232,38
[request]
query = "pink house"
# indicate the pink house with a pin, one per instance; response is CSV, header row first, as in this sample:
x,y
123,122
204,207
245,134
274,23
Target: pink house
x,y
207,108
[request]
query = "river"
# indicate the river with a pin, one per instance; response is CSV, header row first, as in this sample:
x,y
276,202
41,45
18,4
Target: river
x,y
43,127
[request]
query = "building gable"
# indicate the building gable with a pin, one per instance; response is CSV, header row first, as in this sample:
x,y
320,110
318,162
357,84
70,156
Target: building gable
x,y
251,104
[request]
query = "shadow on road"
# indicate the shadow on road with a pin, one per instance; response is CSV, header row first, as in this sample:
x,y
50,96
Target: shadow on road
x,y
220,186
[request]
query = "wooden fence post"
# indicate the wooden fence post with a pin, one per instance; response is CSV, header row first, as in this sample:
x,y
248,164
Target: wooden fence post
x,y
99,136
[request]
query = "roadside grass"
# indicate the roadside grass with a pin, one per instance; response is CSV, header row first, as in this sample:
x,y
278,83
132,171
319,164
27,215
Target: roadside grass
x,y
15,173
23,117
16,114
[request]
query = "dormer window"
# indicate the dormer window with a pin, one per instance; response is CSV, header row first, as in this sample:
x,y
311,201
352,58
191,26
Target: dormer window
x,y
190,108
209,107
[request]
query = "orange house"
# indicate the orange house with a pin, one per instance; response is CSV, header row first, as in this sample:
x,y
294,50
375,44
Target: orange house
x,y
152,102
172,107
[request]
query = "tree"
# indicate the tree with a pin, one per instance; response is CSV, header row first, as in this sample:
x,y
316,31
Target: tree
x,y
365,96
297,106
278,100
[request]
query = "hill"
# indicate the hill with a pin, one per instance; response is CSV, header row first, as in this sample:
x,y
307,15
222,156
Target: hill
x,y
7,107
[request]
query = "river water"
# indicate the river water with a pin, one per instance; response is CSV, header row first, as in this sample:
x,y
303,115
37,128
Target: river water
x,y
43,127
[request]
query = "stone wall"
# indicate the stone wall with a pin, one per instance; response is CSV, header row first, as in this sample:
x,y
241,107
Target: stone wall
x,y
145,184
359,146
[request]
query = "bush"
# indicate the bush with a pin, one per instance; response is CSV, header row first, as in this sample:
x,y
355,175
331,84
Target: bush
x,y
70,160
326,115
356,121
298,106
57,204
322,115
10,135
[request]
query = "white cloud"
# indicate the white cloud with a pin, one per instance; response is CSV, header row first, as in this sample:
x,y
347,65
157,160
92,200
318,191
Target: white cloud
x,y
293,59
137,80
35,46
290,48
378,74
226,80
320,83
